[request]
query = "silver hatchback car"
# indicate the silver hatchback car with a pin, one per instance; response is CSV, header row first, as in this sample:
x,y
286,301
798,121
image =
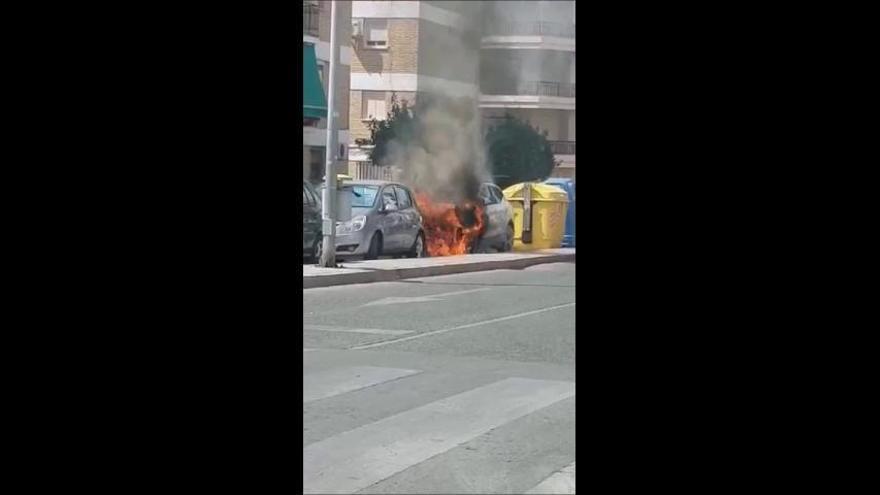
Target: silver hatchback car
x,y
498,233
384,221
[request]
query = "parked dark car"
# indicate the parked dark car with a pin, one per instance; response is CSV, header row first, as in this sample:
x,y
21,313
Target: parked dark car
x,y
312,237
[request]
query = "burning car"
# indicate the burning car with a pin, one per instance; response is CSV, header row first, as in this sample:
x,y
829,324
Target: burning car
x,y
450,229
469,225
384,221
499,232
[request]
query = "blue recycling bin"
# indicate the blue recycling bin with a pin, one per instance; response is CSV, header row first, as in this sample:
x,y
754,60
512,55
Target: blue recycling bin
x,y
568,186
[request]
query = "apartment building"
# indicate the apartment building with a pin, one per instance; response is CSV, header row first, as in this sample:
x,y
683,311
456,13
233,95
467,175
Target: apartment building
x,y
408,49
527,69
515,57
316,74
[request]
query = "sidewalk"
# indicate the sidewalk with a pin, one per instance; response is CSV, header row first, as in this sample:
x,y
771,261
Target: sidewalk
x,y
361,272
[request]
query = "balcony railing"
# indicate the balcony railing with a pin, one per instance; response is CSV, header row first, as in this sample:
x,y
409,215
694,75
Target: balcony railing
x,y
562,147
310,19
532,88
530,28
368,171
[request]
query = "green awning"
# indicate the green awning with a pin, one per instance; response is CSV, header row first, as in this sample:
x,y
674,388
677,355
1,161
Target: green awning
x,y
314,103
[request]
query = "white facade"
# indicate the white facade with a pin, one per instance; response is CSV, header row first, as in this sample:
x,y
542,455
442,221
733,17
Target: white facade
x,y
531,74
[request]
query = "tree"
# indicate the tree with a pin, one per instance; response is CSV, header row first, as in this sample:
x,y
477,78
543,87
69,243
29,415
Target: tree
x,y
518,153
399,124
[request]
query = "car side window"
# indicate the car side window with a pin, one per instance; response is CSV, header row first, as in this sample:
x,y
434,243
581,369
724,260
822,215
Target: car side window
x,y
496,191
388,197
486,195
403,198
309,196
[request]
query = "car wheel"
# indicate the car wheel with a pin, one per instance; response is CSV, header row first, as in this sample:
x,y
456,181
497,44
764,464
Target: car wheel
x,y
375,249
419,248
508,244
317,249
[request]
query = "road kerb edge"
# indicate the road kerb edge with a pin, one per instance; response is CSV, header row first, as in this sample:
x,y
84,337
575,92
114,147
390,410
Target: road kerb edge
x,y
430,271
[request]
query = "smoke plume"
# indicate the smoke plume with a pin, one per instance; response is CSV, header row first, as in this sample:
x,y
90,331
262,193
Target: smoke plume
x,y
445,156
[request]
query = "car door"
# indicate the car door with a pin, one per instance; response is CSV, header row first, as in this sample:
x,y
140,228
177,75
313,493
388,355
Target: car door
x,y
391,220
311,218
490,231
504,210
410,217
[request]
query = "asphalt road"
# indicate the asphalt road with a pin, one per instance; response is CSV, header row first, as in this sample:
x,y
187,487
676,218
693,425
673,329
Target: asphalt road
x,y
453,384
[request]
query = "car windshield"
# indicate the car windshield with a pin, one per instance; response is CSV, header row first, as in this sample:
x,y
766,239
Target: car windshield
x,y
363,196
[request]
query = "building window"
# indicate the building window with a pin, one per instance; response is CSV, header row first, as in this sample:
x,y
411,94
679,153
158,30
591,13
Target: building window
x,y
316,164
311,18
373,105
322,74
376,33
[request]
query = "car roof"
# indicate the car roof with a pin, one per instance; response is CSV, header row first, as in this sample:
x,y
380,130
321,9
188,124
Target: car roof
x,y
370,182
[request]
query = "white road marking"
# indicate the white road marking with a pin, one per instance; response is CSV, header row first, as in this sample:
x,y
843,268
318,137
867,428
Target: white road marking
x,y
560,483
376,331
324,384
356,459
461,327
413,299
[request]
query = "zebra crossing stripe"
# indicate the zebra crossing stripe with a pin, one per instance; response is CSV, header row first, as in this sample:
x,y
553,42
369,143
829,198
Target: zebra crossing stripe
x,y
460,327
324,384
356,459
375,331
560,483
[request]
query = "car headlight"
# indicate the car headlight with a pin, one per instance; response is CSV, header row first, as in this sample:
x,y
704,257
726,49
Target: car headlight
x,y
356,224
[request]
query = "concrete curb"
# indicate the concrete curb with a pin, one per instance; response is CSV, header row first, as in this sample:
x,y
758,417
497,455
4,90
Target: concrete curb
x,y
430,271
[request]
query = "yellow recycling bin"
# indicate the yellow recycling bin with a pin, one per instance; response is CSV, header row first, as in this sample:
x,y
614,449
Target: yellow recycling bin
x,y
538,215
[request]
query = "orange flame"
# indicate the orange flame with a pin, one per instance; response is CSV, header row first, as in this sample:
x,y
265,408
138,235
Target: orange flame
x,y
445,233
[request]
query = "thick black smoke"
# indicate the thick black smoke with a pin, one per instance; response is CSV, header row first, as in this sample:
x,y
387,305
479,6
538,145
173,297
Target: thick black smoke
x,y
445,156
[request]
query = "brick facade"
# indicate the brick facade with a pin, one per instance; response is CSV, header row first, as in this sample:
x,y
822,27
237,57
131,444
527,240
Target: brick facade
x,y
358,128
342,95
400,56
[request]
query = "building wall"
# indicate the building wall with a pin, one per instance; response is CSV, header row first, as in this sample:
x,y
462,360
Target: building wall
x,y
357,126
501,67
342,95
426,53
401,54
434,47
343,71
343,20
448,53
504,64
571,126
559,124
568,173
